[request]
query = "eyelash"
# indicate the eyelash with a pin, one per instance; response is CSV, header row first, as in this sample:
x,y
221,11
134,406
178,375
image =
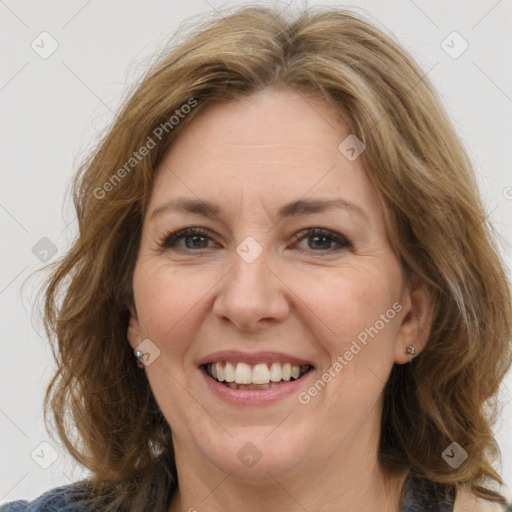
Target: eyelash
x,y
168,241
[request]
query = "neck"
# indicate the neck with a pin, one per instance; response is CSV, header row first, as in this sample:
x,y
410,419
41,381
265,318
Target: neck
x,y
313,494
348,480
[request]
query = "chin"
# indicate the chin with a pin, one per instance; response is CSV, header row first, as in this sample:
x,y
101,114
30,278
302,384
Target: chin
x,y
259,457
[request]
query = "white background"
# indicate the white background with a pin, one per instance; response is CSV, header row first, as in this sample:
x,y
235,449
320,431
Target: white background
x,y
52,110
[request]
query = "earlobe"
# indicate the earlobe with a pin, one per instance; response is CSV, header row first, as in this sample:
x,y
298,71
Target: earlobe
x,y
416,324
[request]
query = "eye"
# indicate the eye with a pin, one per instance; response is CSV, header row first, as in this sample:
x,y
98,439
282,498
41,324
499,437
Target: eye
x,y
320,239
193,238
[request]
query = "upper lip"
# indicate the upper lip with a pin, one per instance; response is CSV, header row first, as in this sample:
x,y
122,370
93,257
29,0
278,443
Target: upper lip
x,y
251,357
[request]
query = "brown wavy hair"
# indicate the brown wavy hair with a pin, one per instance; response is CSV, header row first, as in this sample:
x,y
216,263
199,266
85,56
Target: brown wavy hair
x,y
102,405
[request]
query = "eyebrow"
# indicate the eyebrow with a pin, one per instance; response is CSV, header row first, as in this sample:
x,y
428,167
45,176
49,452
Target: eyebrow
x,y
293,209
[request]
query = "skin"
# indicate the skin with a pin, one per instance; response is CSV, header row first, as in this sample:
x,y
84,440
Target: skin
x,y
307,297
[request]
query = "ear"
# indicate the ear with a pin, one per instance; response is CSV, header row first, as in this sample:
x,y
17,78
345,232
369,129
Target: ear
x,y
416,322
133,333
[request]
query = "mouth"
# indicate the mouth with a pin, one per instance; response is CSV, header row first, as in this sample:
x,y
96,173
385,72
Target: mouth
x,y
241,375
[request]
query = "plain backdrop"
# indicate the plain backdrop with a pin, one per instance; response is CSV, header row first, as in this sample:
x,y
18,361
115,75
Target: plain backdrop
x,y
54,107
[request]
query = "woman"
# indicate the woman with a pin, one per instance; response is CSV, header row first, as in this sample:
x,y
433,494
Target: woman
x,y
285,231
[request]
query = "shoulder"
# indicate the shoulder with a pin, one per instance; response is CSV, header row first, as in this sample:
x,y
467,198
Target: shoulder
x,y
466,501
59,499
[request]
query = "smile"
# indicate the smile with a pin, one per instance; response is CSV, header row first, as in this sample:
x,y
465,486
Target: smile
x,y
240,375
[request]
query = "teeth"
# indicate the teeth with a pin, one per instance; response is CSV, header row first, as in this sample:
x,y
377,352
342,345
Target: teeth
x,y
275,372
229,372
259,375
233,385
243,374
220,372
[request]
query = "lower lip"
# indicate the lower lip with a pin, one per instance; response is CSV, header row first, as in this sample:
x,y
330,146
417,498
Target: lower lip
x,y
255,396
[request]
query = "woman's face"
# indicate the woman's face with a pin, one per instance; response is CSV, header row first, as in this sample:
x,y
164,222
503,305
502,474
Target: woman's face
x,y
251,286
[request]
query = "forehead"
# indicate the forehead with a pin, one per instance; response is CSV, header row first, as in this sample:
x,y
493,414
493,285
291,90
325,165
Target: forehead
x,y
280,122
275,145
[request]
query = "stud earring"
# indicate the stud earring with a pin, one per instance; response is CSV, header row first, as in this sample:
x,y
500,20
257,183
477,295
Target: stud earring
x,y
139,355
410,350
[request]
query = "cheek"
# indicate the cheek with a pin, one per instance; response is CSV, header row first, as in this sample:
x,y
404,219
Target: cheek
x,y
168,299
352,317
170,305
344,302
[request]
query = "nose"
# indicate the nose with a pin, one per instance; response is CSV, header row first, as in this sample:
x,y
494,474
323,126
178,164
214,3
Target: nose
x,y
251,295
